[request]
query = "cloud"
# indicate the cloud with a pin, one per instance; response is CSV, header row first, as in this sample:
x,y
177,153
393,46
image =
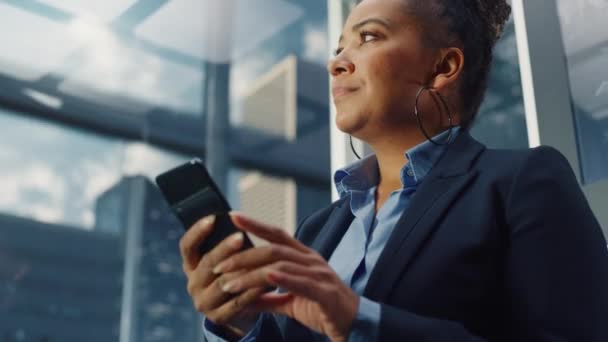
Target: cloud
x,y
244,72
143,159
98,176
111,66
35,34
10,190
104,10
54,174
218,30
316,44
57,174
39,180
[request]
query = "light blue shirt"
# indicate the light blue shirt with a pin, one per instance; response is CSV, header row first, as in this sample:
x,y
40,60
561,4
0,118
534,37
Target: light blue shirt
x,y
358,251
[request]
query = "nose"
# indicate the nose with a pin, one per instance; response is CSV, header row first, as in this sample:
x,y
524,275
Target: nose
x,y
340,65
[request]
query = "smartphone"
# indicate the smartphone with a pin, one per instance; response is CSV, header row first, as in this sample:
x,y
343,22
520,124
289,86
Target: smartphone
x,y
192,195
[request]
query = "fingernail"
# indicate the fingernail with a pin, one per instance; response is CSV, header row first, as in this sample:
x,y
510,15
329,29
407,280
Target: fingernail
x,y
228,286
208,221
236,239
218,269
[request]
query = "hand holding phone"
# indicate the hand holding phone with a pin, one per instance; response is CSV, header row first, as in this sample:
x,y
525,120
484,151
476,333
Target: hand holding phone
x,y
192,195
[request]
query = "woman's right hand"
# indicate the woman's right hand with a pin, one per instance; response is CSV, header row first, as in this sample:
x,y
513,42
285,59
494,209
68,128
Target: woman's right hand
x,y
205,287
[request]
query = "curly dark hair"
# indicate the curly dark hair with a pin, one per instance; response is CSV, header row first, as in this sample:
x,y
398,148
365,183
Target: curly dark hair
x,y
475,26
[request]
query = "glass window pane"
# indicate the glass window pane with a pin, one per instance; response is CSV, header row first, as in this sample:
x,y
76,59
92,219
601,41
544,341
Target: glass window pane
x,y
86,240
282,202
585,35
501,121
94,55
279,85
275,87
52,174
70,263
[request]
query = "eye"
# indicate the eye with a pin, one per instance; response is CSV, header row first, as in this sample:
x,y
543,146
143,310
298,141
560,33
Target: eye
x,y
367,36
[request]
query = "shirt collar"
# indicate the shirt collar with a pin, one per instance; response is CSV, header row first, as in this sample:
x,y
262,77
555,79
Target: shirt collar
x,y
360,175
425,155
363,174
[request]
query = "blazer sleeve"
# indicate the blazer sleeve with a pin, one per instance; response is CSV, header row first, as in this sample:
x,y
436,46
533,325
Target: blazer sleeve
x,y
556,264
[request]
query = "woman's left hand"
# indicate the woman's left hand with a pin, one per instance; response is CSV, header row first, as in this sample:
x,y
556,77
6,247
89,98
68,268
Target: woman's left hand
x,y
316,297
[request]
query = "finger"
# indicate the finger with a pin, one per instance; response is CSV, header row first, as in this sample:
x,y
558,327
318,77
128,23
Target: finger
x,y
262,256
297,284
223,250
212,296
259,277
266,232
188,244
228,311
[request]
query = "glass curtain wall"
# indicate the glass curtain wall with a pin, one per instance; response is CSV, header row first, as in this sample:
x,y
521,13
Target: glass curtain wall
x,y
585,37
97,98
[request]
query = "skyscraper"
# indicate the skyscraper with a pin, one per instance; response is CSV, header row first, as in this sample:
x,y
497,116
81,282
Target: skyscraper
x,y
280,104
58,283
155,304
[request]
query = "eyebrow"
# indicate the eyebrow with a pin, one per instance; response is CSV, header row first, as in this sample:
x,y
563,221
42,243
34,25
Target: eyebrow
x,y
360,24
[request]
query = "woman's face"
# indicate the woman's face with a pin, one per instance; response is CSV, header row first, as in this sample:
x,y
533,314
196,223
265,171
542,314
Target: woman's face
x,y
380,64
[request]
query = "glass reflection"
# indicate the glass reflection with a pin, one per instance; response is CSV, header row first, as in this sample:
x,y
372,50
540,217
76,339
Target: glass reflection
x,y
91,53
52,174
86,240
585,36
279,86
71,203
501,122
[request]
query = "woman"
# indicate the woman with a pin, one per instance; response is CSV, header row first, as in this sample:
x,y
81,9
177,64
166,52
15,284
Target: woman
x,y
435,237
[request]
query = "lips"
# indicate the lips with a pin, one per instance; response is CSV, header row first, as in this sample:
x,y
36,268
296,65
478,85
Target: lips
x,y
339,91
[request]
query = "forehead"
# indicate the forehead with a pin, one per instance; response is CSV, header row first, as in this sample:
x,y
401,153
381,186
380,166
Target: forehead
x,y
396,13
393,11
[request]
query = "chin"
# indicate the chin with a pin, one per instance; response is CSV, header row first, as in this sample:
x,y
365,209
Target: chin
x,y
345,122
349,123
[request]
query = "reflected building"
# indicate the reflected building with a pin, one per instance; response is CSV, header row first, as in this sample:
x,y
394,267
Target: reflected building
x,y
48,274
281,103
155,303
148,91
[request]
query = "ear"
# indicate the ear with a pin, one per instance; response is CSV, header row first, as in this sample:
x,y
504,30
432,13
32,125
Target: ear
x,y
448,68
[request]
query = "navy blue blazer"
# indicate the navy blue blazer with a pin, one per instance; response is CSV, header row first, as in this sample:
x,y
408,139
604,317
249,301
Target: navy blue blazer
x,y
496,245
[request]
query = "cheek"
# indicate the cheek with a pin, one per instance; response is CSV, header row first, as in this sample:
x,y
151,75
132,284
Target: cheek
x,y
394,72
393,82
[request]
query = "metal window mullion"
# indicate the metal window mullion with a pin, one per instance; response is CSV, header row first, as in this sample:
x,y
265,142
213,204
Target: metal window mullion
x,y
545,80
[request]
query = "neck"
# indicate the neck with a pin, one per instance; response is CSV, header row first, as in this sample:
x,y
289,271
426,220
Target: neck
x,y
390,153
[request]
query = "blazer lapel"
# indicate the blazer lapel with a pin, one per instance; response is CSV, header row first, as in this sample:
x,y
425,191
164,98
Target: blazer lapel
x,y
335,227
433,197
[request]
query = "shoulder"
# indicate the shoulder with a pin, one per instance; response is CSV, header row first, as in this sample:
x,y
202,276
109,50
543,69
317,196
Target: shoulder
x,y
517,176
531,177
511,163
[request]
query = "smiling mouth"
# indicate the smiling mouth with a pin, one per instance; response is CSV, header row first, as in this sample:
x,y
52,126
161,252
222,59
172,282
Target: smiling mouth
x,y
342,92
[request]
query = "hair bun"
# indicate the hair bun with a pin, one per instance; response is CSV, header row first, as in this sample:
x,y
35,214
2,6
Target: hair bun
x,y
496,14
